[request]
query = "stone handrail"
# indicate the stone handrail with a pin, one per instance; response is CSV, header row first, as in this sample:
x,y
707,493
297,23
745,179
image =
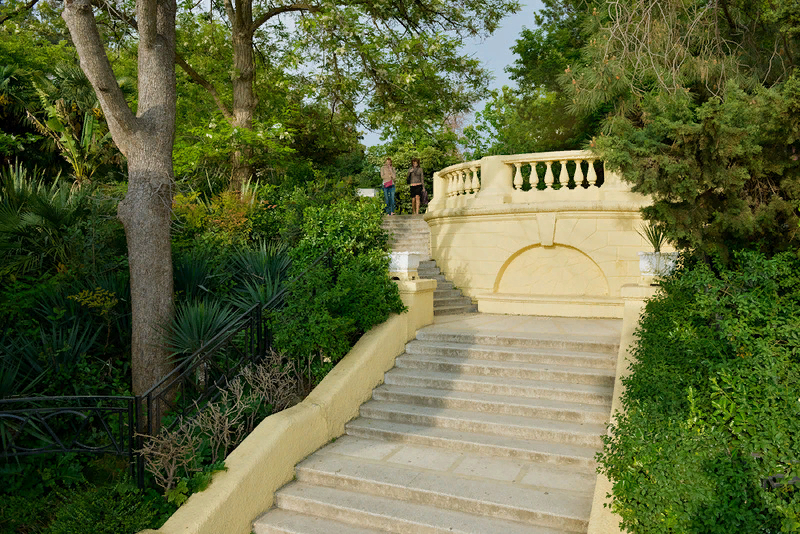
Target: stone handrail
x,y
500,180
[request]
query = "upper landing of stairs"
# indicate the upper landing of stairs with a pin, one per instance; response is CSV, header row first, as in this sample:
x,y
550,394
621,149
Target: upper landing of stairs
x,y
408,233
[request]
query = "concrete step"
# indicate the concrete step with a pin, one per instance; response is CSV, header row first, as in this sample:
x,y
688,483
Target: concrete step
x,y
572,342
428,270
437,277
513,387
524,370
429,264
454,310
543,452
389,515
544,506
594,360
499,404
581,434
446,286
442,302
278,521
446,293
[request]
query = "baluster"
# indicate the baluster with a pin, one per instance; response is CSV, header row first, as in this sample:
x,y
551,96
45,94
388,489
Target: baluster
x,y
518,176
461,182
476,184
563,176
578,173
592,175
548,176
451,181
467,182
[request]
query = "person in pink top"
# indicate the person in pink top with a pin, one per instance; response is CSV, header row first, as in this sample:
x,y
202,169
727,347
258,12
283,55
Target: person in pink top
x,y
388,175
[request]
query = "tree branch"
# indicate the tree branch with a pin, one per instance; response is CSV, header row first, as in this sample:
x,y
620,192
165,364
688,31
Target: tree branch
x,y
202,82
16,12
94,62
275,11
195,76
230,12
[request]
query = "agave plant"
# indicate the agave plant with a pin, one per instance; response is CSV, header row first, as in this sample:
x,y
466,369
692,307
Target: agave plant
x,y
196,322
252,292
269,261
194,275
20,369
654,234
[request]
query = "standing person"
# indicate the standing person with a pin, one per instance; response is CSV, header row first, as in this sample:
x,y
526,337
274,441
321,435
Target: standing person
x,y
388,175
415,181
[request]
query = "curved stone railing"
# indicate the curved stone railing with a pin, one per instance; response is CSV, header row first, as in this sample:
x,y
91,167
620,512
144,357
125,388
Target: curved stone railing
x,y
516,179
552,233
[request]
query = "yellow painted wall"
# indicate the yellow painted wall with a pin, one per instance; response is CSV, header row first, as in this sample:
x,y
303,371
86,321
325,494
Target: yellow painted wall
x,y
265,460
537,252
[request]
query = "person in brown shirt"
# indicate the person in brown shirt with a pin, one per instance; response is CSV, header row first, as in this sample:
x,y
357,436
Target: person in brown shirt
x,y
415,181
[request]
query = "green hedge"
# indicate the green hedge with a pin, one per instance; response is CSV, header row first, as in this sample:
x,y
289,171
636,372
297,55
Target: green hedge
x,y
712,406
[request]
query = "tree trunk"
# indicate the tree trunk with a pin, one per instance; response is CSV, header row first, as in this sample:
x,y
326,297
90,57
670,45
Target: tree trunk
x,y
244,98
145,214
146,140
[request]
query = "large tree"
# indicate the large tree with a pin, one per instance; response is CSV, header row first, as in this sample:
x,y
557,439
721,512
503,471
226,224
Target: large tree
x,y
705,100
396,63
146,139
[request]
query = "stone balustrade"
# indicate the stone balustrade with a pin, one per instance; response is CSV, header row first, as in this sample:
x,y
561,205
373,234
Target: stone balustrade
x,y
552,233
523,178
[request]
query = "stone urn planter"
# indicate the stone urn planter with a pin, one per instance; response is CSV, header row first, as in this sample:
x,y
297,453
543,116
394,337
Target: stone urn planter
x,y
657,263
404,265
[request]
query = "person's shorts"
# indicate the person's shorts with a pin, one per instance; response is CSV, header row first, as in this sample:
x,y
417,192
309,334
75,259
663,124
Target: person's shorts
x,y
416,190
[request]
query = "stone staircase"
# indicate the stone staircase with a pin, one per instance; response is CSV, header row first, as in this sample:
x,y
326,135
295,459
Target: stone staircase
x,y
447,300
410,233
473,431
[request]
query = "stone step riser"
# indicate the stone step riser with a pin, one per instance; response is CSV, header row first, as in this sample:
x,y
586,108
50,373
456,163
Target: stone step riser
x,y
446,286
349,515
418,438
520,342
451,301
375,411
455,311
438,500
472,369
532,392
446,293
571,360
500,408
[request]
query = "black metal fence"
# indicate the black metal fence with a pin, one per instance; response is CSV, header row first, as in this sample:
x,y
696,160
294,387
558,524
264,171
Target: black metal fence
x,y
87,425
119,425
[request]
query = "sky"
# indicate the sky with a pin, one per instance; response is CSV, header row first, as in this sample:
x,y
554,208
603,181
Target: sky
x,y
494,52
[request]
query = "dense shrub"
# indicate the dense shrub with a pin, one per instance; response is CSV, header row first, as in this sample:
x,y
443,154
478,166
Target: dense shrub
x,y
116,510
712,403
343,297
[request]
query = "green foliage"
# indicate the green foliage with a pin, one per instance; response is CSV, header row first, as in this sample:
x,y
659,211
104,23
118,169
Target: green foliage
x,y
339,300
702,119
218,225
654,234
195,323
710,406
117,510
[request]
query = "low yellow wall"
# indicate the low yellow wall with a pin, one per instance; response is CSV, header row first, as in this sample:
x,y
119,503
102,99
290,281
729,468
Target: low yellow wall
x,y
265,460
602,519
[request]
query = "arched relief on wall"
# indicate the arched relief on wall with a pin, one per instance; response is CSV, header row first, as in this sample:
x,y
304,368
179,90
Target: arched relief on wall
x,y
554,270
